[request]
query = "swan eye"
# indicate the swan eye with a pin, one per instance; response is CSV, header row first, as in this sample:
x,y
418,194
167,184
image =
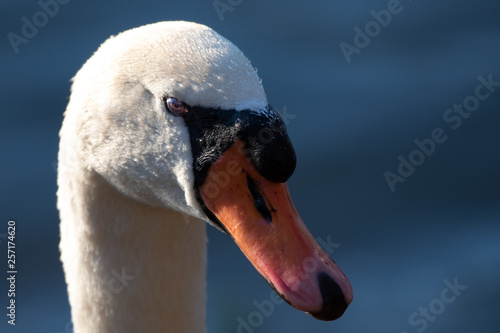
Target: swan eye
x,y
176,107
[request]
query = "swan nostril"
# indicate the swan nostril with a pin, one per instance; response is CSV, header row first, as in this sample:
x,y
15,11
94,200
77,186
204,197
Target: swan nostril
x,y
258,199
334,303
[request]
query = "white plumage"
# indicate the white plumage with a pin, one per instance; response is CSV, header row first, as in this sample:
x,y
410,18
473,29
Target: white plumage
x,y
120,154
133,242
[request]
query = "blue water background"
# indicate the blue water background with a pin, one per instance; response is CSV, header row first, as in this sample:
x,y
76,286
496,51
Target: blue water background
x,y
349,122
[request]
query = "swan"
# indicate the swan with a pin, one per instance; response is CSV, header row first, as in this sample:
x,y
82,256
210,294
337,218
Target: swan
x,y
168,127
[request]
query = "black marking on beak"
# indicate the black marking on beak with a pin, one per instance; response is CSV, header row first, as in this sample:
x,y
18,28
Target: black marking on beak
x,y
258,199
334,303
213,131
271,150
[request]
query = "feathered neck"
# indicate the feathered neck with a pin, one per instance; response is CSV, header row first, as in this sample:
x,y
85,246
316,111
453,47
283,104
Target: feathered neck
x,y
129,267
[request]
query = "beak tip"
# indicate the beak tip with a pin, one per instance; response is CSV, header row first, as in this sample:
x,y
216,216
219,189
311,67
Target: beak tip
x,y
334,301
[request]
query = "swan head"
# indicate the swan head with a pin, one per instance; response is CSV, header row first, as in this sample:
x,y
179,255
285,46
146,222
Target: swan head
x,y
174,115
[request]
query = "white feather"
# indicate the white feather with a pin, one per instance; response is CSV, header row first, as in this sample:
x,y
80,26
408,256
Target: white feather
x,y
125,176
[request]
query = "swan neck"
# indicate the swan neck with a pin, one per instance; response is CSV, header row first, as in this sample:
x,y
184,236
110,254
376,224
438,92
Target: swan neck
x,y
130,267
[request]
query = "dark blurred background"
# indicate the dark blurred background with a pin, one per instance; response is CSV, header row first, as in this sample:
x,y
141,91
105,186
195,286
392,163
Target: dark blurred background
x,y
353,116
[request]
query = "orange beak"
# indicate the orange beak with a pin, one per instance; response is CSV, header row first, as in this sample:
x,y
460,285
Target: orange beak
x,y
262,220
